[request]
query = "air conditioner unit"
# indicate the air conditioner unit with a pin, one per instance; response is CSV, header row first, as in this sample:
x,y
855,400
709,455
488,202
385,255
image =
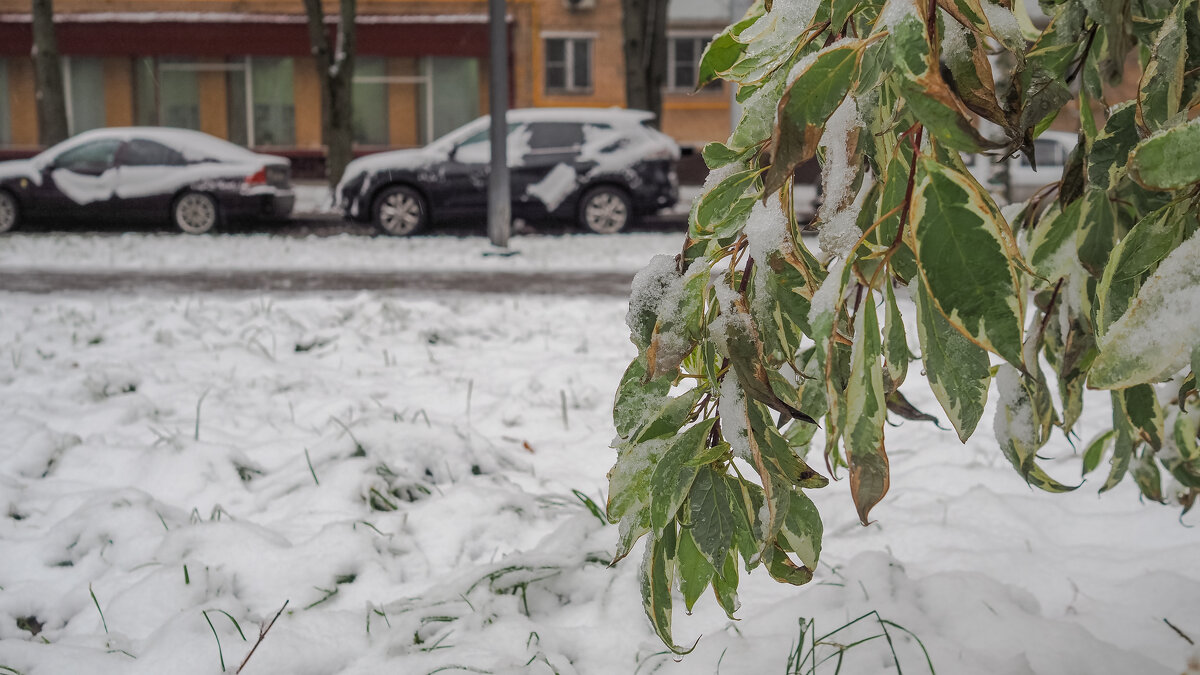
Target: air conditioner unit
x,y
577,5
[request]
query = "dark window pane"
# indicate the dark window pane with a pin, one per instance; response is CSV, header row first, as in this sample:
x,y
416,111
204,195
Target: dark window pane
x,y
685,50
89,158
556,76
141,152
582,66
556,50
555,135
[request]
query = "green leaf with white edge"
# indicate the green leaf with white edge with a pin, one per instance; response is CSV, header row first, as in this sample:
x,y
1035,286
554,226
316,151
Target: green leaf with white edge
x,y
866,412
757,119
1169,160
782,569
658,573
1147,476
1155,337
807,104
1097,230
712,521
966,255
1052,245
695,573
718,452
724,51
925,91
1183,433
635,396
1161,87
801,529
727,201
1146,414
1124,443
725,586
1111,148
672,477
717,155
896,354
1017,427
629,481
669,418
1096,449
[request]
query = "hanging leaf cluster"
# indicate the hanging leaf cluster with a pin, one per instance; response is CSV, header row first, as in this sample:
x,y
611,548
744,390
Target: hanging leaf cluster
x,y
749,343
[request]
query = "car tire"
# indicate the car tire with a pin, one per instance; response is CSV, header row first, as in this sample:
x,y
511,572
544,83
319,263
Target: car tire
x,y
400,211
195,213
10,211
605,209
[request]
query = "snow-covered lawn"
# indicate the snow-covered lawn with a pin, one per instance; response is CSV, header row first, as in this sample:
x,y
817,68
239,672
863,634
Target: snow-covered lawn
x,y
400,471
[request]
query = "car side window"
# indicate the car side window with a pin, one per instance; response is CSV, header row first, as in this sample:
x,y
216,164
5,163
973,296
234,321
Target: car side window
x,y
554,137
90,158
142,152
477,149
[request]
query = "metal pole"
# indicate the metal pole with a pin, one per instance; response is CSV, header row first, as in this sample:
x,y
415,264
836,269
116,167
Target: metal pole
x,y
499,197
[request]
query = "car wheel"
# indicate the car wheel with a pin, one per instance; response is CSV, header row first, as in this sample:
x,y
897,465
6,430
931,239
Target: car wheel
x,y
8,211
605,210
195,213
400,211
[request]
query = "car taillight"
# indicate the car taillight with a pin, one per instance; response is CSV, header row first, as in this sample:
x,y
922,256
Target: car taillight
x,y
258,178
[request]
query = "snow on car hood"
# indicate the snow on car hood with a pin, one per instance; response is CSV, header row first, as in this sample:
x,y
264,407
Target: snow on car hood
x,y
20,168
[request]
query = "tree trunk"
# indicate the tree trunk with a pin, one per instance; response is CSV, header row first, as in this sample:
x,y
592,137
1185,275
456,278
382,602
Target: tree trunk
x,y
48,80
644,25
335,71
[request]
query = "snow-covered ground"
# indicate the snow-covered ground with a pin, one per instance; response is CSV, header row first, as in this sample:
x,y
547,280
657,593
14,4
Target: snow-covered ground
x,y
400,471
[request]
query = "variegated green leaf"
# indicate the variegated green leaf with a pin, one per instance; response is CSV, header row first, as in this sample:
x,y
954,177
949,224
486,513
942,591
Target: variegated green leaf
x,y
1124,443
1018,429
712,522
896,354
1161,87
724,51
658,573
866,413
672,478
958,370
806,105
1139,252
1169,160
967,258
695,572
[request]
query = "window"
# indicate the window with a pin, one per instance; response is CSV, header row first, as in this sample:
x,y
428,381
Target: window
x,y
370,96
253,95
274,105
568,64
553,137
683,63
1047,153
84,85
5,116
455,85
141,152
90,158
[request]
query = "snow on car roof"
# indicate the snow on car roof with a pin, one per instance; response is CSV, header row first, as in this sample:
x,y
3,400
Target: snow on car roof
x,y
195,145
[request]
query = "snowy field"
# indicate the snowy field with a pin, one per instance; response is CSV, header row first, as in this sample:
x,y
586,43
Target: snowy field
x,y
402,472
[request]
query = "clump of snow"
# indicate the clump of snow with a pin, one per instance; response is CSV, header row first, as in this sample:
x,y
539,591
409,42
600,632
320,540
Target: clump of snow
x,y
717,175
827,297
954,41
1003,22
650,286
555,187
732,407
896,11
1013,422
766,229
1161,328
838,227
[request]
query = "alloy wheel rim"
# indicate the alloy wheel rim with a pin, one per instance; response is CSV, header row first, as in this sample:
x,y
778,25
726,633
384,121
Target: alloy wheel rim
x,y
8,212
195,214
400,213
605,213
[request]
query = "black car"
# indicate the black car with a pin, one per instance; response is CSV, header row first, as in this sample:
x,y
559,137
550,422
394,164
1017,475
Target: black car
x,y
188,178
598,167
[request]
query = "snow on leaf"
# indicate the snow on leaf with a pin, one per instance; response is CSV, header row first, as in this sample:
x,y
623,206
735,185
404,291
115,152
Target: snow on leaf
x,y
1156,336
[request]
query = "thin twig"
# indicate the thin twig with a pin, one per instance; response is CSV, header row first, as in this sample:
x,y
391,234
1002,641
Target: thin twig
x,y
1181,633
262,633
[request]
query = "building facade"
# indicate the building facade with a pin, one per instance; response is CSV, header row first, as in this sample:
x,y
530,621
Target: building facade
x,y
242,69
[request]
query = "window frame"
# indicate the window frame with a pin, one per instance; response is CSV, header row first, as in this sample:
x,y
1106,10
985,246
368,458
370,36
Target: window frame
x,y
569,39
672,85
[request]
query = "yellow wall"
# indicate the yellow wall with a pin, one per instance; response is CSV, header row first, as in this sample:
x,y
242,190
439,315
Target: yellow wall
x,y
404,117
306,91
118,91
22,110
214,107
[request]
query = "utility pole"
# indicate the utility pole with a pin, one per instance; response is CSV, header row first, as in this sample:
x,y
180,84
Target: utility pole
x,y
499,193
